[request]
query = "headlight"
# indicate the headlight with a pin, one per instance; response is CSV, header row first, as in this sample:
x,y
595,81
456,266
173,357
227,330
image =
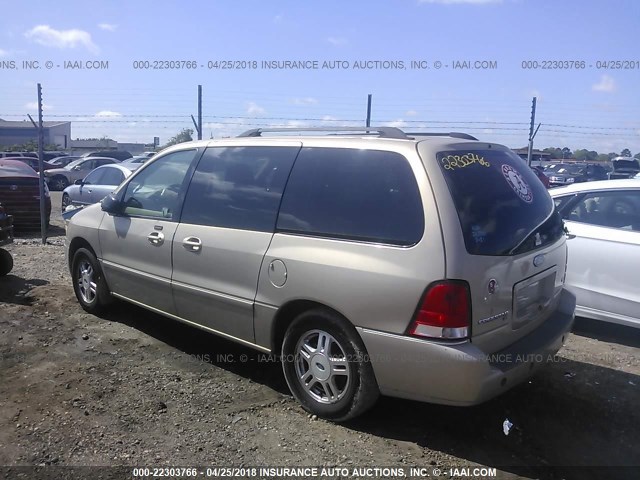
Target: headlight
x,y
571,180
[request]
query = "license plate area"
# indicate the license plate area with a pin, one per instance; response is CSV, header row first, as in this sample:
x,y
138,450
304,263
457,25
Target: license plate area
x,y
533,297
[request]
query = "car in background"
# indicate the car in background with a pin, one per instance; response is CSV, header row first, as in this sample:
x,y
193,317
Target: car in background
x,y
119,155
137,160
33,163
568,173
97,185
61,178
541,176
6,237
18,154
60,162
148,154
603,223
624,167
20,194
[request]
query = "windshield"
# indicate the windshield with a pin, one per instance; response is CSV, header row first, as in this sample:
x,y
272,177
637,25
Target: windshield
x,y
74,163
502,207
633,164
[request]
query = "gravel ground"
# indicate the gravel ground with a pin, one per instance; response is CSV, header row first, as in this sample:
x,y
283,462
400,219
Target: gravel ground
x,y
133,388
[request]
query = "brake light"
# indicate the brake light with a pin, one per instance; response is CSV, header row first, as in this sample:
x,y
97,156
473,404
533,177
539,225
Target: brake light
x,y
445,312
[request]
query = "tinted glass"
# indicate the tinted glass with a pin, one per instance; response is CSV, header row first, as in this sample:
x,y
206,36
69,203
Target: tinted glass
x,y
354,194
238,187
155,191
619,209
112,176
95,177
500,203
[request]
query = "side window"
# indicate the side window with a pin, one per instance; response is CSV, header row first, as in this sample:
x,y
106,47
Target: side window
x,y
354,194
94,178
618,209
87,165
238,187
112,176
154,191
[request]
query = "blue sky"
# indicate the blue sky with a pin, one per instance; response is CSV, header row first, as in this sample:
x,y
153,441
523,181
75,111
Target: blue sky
x,y
594,108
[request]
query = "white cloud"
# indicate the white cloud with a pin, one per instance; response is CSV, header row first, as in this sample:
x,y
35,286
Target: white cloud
x,y
50,37
606,84
399,123
304,101
109,27
337,41
108,113
469,2
34,106
254,109
411,113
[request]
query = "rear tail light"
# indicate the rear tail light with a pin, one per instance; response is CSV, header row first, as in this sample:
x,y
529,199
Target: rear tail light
x,y
444,312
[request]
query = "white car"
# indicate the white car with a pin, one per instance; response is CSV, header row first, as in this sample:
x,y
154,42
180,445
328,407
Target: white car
x,y
603,223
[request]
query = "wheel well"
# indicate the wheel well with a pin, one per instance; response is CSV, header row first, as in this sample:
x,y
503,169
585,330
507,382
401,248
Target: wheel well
x,y
75,244
287,314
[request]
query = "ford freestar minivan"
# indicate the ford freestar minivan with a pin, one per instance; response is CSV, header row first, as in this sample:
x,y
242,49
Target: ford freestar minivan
x,y
422,266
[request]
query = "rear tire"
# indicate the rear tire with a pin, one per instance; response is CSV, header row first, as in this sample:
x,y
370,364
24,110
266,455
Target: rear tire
x,y
327,367
6,262
88,282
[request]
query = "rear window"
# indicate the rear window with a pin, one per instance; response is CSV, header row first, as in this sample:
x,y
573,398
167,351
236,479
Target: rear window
x,y
363,195
503,208
620,164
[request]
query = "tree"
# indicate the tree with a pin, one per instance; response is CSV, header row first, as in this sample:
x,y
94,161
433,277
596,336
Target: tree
x,y
603,157
625,153
612,155
183,136
580,154
637,155
566,152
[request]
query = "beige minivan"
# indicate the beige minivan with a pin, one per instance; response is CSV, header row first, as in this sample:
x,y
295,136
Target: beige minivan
x,y
373,261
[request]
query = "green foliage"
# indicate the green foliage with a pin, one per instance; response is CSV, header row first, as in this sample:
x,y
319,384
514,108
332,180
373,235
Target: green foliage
x,y
184,136
625,153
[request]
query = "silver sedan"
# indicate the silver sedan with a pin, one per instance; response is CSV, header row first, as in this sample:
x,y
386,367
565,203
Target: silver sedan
x,y
97,185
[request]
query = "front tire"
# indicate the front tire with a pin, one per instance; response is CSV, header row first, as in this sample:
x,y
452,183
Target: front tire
x,y
6,262
59,182
66,201
88,282
326,366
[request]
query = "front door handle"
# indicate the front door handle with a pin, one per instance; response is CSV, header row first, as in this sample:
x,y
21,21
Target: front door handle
x,y
156,238
193,244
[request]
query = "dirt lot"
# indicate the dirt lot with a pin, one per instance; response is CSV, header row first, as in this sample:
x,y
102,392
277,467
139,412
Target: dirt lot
x,y
133,388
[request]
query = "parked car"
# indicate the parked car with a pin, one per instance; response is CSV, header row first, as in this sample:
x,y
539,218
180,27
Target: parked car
x,y
603,220
624,167
97,185
6,237
32,162
371,262
20,194
18,154
137,160
60,162
119,155
567,173
541,176
61,178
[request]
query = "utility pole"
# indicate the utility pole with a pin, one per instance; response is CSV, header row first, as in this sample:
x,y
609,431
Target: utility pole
x,y
531,133
199,112
198,124
368,111
43,221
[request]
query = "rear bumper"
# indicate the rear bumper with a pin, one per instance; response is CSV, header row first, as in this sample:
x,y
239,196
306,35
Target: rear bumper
x,y
461,374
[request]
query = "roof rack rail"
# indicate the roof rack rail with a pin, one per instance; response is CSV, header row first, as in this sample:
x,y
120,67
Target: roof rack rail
x,y
466,136
385,132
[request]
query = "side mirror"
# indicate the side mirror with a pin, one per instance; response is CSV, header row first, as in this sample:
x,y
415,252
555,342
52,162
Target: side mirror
x,y
111,204
76,168
79,182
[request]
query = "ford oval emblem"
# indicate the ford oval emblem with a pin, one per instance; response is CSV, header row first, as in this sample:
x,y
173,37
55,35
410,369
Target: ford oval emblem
x,y
538,260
